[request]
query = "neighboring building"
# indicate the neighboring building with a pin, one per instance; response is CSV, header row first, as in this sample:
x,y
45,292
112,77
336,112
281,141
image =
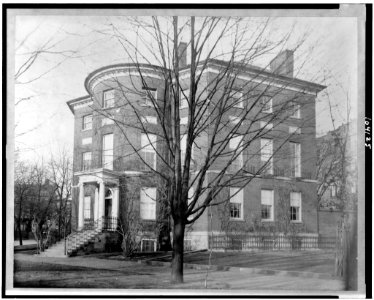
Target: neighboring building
x,y
333,168
107,172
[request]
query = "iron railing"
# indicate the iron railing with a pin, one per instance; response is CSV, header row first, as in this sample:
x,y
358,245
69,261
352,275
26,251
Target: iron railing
x,y
270,242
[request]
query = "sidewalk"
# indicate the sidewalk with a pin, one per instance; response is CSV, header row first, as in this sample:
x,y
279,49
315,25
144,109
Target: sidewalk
x,y
91,272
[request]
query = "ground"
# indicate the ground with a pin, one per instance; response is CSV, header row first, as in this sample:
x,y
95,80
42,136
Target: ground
x,y
114,273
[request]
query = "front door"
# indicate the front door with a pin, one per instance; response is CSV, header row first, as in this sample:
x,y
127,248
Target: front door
x,y
108,214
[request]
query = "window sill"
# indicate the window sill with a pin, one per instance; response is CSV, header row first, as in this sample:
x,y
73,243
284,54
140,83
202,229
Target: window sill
x,y
237,219
86,129
296,222
267,220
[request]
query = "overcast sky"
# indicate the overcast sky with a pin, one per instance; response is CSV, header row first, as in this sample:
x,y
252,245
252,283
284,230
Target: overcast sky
x,y
44,123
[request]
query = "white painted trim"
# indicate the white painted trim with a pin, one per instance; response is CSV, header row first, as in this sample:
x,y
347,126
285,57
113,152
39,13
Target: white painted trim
x,y
251,77
116,72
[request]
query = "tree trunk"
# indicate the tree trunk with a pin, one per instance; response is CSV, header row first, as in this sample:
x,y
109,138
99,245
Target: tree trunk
x,y
178,243
19,231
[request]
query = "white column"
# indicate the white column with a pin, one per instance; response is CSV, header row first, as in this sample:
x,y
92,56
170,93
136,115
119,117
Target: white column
x,y
115,206
101,202
80,206
96,204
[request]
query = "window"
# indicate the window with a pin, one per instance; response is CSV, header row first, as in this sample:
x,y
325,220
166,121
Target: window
x,y
267,104
295,159
87,141
266,125
107,153
108,97
148,203
236,203
87,122
191,194
87,156
237,98
148,245
150,95
184,120
106,121
295,110
234,120
333,190
87,207
267,155
294,129
267,205
295,206
148,146
149,119
235,145
183,146
184,98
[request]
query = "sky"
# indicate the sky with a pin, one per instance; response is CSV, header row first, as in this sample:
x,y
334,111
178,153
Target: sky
x,y
77,45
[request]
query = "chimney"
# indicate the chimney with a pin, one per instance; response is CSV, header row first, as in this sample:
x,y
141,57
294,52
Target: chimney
x,y
282,64
182,54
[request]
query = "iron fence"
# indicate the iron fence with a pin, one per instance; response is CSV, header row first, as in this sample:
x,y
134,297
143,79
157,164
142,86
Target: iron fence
x,y
270,242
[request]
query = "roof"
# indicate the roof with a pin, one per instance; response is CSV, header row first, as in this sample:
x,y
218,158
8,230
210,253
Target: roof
x,y
245,68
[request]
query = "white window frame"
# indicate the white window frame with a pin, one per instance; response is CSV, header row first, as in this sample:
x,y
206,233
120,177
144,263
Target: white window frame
x,y
149,119
234,120
147,203
236,143
293,200
87,208
266,154
184,99
87,125
153,240
147,140
265,201
296,157
294,129
107,155
237,97
266,125
191,194
107,121
86,166
146,97
269,103
87,141
237,199
108,102
296,111
184,120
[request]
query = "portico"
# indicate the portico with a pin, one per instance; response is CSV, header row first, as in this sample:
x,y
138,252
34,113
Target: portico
x,y
98,204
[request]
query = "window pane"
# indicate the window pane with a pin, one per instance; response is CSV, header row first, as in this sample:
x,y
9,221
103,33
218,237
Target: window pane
x,y
87,160
267,204
108,98
267,104
87,207
148,203
87,122
107,154
184,98
236,203
295,159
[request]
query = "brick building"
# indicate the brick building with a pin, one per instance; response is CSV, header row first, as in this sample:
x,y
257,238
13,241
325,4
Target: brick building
x,y
108,168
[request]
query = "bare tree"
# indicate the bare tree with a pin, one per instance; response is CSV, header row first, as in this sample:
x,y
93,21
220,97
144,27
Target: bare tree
x,y
61,175
217,144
